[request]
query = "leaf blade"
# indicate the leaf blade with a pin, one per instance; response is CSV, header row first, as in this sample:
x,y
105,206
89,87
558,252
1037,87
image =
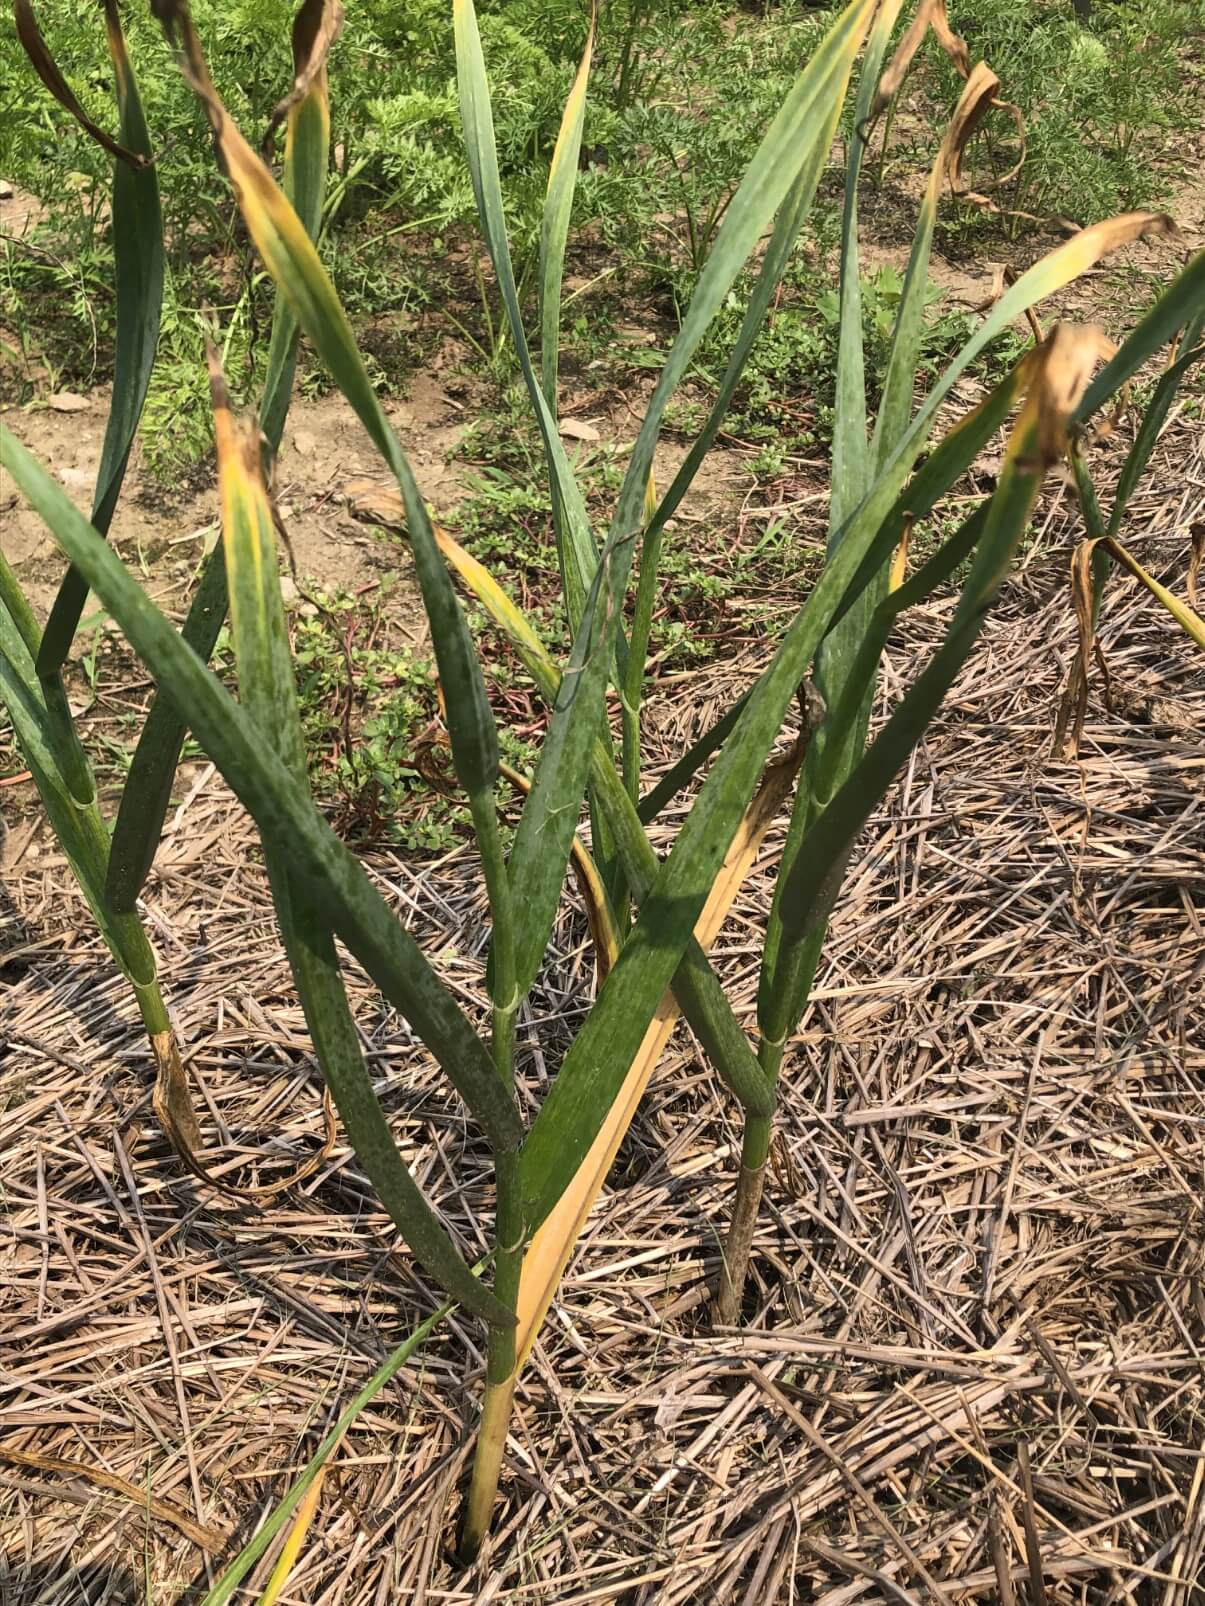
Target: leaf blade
x,y
223,1590
558,207
266,683
146,795
340,888
1058,378
576,550
552,1244
139,267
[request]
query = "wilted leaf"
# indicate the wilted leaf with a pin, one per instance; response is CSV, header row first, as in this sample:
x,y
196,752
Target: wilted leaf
x,y
47,70
1002,278
930,14
1062,370
1069,727
977,99
206,1538
173,1107
315,29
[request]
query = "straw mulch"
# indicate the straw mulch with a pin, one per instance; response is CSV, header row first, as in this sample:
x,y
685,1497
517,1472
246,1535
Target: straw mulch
x,y
973,1365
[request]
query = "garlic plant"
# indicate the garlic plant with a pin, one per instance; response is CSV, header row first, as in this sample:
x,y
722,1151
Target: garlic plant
x,y
653,917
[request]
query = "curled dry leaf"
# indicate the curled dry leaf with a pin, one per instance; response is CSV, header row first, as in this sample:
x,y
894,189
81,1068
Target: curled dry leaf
x,y
1003,278
977,99
315,28
47,69
205,1538
577,429
374,502
1062,369
929,14
1069,727
172,1103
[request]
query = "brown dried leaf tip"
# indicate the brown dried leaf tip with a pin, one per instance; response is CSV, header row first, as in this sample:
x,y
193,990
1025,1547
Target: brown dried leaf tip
x,y
315,28
1073,708
236,436
47,69
978,98
929,14
1063,369
1196,534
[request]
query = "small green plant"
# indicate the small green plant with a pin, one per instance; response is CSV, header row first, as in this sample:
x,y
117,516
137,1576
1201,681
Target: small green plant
x,y
367,712
653,918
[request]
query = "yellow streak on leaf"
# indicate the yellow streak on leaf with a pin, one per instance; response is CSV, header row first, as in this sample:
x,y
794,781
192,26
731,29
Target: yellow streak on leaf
x,y
240,474
291,1549
574,102
1085,249
277,232
492,596
117,50
245,506
899,558
372,500
550,1248
650,497
1185,617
